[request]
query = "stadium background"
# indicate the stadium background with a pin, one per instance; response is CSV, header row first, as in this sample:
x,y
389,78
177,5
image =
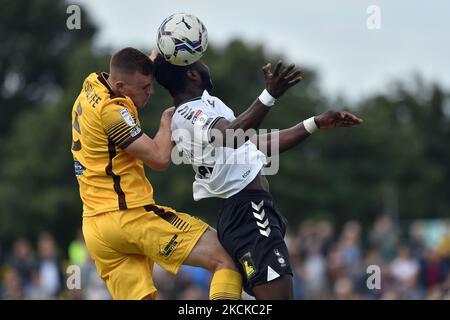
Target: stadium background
x,y
373,195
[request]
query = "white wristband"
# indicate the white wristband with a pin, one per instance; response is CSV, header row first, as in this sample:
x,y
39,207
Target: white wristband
x,y
266,99
310,125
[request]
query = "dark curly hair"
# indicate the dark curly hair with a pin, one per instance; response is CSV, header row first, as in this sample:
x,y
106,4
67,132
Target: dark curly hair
x,y
172,78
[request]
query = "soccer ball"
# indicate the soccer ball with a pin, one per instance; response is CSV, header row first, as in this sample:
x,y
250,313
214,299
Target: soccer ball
x,y
182,39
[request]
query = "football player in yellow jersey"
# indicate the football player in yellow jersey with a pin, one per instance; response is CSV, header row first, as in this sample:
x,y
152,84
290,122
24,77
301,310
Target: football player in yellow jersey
x,y
124,229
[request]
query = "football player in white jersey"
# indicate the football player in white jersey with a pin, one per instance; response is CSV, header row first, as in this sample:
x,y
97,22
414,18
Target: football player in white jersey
x,y
227,163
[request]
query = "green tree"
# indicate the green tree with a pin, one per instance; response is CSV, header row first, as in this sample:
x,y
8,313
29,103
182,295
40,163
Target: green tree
x,y
36,46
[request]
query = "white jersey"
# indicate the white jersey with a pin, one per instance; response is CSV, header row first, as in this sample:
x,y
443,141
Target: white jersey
x,y
219,171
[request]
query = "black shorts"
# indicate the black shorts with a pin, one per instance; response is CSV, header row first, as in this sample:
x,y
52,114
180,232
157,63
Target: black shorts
x,y
252,231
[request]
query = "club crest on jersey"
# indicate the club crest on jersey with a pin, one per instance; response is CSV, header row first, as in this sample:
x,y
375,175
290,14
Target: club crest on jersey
x,y
281,259
199,118
127,117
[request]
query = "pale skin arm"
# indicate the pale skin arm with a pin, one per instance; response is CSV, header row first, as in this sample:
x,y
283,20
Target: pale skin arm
x,y
155,152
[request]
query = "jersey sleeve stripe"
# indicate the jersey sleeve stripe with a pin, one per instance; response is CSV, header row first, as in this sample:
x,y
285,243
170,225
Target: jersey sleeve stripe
x,y
128,141
121,136
113,125
119,126
212,126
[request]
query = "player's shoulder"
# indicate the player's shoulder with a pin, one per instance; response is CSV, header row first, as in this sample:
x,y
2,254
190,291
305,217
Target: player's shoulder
x,y
206,103
211,101
215,103
109,98
119,110
118,103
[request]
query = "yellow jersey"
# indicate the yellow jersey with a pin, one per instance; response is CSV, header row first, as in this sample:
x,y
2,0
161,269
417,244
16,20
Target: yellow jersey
x,y
103,124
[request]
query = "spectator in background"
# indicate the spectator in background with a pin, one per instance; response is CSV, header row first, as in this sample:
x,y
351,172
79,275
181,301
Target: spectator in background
x,y
351,250
383,235
49,269
429,269
343,289
193,292
11,286
315,269
418,270
35,290
78,254
24,262
305,237
325,233
198,277
405,271
92,286
416,240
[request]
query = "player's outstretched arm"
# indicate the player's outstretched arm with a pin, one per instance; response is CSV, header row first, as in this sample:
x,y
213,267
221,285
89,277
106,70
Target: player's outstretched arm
x,y
288,138
155,152
336,119
277,83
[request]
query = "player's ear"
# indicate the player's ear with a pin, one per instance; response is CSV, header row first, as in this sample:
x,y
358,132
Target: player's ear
x,y
120,86
193,75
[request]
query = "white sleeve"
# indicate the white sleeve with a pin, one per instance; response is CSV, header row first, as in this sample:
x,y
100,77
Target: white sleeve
x,y
224,110
198,119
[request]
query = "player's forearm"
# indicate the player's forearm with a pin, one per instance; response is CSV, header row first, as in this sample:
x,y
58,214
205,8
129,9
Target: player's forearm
x,y
291,137
164,146
153,152
272,144
233,134
250,118
276,85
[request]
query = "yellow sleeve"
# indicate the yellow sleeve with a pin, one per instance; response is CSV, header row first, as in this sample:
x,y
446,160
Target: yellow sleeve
x,y
120,125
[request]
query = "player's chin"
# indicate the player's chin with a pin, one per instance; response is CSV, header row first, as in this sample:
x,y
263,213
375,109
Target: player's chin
x,y
143,104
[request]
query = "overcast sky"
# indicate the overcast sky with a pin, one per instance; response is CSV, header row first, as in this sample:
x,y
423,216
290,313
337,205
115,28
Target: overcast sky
x,y
330,36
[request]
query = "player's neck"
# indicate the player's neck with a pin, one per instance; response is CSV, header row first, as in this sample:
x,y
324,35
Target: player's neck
x,y
184,97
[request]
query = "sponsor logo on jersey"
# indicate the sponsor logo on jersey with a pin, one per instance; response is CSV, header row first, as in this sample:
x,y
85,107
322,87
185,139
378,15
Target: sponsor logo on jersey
x,y
248,265
127,117
135,131
199,118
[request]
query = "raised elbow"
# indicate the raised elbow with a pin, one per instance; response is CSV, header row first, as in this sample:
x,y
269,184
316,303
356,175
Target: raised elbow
x,y
162,165
165,165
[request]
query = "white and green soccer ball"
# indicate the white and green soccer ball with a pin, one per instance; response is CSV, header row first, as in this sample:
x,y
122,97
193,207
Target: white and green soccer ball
x,y
182,39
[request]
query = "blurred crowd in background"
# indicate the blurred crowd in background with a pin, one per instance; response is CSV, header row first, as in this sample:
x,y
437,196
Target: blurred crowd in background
x,y
328,263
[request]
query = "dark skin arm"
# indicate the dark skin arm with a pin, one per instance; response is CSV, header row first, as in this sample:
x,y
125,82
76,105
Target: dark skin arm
x,y
289,138
277,83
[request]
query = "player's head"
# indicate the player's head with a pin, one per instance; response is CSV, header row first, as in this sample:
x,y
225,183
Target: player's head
x,y
182,79
131,74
